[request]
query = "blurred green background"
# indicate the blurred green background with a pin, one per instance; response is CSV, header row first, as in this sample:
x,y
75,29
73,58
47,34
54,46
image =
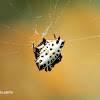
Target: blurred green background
x,y
77,76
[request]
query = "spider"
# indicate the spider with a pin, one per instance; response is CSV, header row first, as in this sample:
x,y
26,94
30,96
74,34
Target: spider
x,y
48,53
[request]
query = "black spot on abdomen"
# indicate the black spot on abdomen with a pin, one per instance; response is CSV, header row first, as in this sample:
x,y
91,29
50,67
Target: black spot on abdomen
x,y
53,53
46,54
52,44
50,56
44,65
40,61
42,56
62,43
58,50
50,48
57,41
57,54
48,62
61,46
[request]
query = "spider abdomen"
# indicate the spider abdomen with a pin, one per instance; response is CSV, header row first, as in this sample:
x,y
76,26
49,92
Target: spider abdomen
x,y
50,54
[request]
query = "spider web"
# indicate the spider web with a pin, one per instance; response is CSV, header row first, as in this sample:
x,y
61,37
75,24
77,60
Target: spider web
x,y
52,16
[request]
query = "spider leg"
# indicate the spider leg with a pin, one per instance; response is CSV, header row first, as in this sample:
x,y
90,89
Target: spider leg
x,y
46,69
34,60
55,36
49,68
33,48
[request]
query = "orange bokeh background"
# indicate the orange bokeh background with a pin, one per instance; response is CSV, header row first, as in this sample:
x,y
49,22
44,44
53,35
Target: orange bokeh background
x,y
76,77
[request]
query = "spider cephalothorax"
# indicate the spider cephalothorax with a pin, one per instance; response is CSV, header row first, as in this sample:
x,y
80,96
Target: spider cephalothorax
x,y
48,53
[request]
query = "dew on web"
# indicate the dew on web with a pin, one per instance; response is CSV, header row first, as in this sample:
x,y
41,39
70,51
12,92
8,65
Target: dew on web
x,y
38,20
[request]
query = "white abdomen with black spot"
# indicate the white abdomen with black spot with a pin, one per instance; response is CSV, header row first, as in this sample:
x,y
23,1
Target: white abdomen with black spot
x,y
50,53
